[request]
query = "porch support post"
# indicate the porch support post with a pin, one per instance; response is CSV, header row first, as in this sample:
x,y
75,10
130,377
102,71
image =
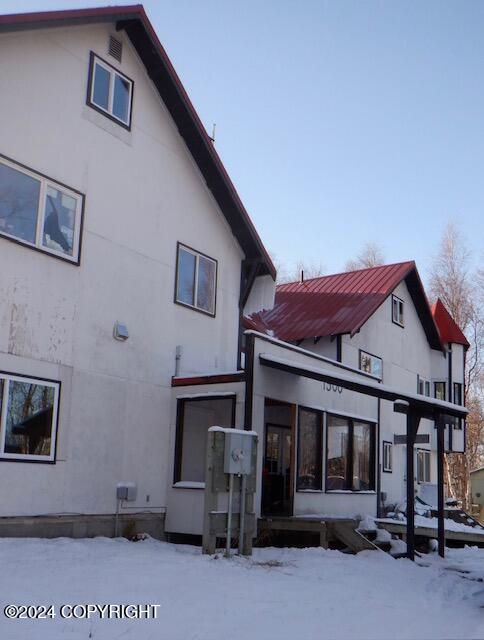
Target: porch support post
x,y
413,420
440,482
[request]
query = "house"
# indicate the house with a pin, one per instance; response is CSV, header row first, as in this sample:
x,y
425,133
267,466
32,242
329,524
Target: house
x,y
139,308
126,255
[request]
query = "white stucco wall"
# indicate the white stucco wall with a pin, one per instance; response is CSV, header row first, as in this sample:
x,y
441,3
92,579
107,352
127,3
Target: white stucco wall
x,y
143,194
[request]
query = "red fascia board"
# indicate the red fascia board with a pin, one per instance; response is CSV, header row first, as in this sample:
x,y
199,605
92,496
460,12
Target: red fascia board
x,y
210,379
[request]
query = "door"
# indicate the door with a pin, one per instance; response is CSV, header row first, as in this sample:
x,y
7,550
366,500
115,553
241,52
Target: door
x,y
276,477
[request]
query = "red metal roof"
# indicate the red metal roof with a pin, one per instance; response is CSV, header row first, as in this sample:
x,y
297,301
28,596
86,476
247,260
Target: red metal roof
x,y
340,303
448,328
139,29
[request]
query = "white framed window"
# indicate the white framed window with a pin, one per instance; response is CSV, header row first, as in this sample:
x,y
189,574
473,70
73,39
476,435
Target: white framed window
x,y
110,91
39,212
371,364
196,280
423,386
387,457
423,466
397,311
28,418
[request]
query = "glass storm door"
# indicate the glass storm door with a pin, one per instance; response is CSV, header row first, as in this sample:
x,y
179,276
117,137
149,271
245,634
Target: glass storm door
x,y
276,479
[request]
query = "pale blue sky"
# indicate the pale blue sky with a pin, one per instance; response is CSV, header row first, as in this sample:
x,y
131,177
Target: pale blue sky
x,y
339,122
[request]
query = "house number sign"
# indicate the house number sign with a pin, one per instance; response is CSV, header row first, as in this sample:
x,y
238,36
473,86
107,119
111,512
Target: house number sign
x,y
332,387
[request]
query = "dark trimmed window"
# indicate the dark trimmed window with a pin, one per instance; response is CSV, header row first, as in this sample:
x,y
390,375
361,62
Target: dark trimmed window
x,y
196,280
439,390
309,449
194,417
423,386
39,212
458,399
109,91
423,466
371,364
28,418
350,455
397,311
387,457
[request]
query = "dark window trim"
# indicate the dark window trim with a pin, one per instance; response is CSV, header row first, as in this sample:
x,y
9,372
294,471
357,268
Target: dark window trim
x,y
44,250
429,453
436,382
180,418
59,394
351,422
401,325
320,415
360,351
390,468
92,57
184,304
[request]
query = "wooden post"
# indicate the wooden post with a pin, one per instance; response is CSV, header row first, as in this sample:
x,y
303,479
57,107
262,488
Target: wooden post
x,y
440,424
413,420
209,540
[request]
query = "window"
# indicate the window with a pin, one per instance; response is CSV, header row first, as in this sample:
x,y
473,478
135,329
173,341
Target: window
x,y
39,212
457,393
439,390
350,455
387,457
423,386
309,450
28,418
109,91
194,417
371,364
423,465
196,280
397,310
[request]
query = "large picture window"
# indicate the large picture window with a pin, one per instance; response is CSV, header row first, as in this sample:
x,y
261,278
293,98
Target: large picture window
x,y
39,212
309,450
109,91
350,455
194,417
28,418
196,280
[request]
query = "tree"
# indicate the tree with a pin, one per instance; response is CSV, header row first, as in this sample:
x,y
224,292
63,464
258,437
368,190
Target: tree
x,y
453,281
309,269
371,255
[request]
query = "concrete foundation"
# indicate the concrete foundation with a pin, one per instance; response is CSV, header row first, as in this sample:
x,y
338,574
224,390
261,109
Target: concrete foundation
x,y
83,526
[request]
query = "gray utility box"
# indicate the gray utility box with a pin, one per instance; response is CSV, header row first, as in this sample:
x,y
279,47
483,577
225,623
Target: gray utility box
x,y
238,452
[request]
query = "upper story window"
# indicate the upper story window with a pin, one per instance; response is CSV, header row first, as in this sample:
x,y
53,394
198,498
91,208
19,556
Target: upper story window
x,y
457,393
110,91
397,311
439,390
39,212
371,364
28,418
196,280
423,386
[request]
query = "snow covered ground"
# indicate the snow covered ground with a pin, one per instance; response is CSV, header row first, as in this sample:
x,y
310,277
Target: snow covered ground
x,y
279,593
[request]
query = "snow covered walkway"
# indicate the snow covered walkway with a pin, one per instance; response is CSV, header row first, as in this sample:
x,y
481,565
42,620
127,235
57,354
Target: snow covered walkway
x,y
279,593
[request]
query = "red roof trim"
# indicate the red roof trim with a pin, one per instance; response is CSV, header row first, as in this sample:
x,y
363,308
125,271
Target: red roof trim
x,y
218,378
131,13
449,330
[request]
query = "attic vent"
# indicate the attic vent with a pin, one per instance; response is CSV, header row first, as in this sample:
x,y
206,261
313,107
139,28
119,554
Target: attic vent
x,y
115,48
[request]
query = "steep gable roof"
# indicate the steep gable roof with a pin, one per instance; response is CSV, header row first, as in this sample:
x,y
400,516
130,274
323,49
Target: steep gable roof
x,y
138,28
341,303
448,328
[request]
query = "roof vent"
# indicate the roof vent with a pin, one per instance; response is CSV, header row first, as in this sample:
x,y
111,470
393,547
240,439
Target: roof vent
x,y
115,48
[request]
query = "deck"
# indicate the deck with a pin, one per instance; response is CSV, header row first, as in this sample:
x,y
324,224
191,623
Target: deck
x,y
400,528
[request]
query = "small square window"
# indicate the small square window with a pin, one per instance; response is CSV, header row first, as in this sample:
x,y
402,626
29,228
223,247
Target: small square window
x,y
397,311
110,91
387,457
28,418
196,280
371,364
423,386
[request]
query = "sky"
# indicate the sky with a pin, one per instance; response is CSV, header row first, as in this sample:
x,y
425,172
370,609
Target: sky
x,y
340,122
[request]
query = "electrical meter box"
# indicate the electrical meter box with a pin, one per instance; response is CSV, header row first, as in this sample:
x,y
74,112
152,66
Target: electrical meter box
x,y
238,451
